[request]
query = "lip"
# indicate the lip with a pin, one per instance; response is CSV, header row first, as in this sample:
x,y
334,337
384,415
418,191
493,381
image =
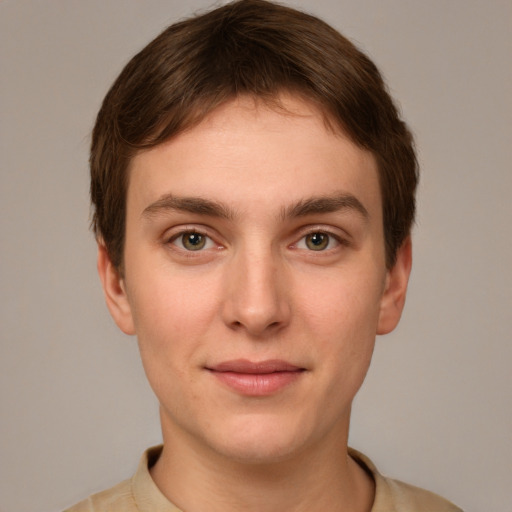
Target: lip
x,y
260,378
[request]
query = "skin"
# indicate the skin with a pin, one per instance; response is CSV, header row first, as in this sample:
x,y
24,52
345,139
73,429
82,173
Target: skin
x,y
259,289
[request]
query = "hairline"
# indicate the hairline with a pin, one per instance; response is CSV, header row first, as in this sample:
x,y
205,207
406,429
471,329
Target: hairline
x,y
274,101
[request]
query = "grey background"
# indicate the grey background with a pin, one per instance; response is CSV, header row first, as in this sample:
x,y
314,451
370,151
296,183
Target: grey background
x,y
76,412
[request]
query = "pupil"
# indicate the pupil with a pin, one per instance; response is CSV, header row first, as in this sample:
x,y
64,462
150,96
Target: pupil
x,y
194,241
317,241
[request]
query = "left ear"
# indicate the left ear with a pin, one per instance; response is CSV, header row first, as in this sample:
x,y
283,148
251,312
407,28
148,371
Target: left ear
x,y
393,299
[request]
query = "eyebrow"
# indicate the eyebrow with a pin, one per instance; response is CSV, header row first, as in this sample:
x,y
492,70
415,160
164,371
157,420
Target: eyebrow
x,y
196,205
323,204
302,208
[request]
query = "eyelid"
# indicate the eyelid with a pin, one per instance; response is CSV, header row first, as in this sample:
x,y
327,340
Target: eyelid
x,y
332,243
180,239
173,234
342,237
338,234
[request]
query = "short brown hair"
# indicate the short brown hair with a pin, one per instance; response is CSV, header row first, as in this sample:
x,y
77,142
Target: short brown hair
x,y
249,47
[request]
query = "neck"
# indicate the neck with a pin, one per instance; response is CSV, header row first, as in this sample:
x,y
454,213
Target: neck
x,y
320,478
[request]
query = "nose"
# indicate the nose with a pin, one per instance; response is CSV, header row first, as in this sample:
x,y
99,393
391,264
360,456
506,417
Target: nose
x,y
256,297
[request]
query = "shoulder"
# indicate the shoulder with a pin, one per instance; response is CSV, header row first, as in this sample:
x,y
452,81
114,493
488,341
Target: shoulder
x,y
396,496
409,498
119,497
139,493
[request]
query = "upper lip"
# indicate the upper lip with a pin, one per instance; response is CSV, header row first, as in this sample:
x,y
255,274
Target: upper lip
x,y
253,367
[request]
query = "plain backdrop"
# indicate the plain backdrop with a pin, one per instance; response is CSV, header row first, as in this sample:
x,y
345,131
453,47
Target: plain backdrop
x,y
76,412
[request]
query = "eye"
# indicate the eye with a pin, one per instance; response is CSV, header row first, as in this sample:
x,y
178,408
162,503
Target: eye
x,y
318,241
192,241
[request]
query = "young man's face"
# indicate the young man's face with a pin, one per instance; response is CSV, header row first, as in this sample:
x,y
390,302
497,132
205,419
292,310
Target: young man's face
x,y
255,279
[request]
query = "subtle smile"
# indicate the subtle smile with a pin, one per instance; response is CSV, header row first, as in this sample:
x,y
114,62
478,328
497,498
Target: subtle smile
x,y
256,378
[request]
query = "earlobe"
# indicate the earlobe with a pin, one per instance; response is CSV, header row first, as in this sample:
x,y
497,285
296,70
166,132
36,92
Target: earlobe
x,y
393,298
114,291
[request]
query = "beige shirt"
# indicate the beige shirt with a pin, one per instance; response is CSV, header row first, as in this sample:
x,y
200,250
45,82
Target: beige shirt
x,y
140,493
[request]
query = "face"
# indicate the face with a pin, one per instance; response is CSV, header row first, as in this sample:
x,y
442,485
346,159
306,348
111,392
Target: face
x,y
255,279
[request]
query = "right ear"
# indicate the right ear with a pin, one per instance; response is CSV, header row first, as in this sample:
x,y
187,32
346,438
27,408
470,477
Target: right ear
x,y
115,292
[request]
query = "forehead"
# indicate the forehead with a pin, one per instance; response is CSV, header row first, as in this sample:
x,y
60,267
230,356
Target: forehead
x,y
248,152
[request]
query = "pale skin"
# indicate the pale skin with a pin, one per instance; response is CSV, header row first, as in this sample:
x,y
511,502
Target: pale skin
x,y
257,236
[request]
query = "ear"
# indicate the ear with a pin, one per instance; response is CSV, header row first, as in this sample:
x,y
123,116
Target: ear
x,y
393,298
114,291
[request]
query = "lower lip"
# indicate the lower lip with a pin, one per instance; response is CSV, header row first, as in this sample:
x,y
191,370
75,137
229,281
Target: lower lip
x,y
257,384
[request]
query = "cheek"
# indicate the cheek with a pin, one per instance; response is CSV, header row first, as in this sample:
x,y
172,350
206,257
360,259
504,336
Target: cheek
x,y
342,301
171,314
169,298
342,317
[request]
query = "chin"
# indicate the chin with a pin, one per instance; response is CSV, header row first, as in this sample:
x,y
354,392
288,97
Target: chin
x,y
260,442
256,453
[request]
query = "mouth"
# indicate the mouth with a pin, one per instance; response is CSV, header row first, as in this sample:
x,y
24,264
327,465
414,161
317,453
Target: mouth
x,y
261,378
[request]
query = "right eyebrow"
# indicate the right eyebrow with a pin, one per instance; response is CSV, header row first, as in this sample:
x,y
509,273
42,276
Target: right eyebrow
x,y
195,205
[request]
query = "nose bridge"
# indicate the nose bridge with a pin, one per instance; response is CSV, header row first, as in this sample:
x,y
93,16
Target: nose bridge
x,y
256,299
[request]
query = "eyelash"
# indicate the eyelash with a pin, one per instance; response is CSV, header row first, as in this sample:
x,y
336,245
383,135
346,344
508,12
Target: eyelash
x,y
332,237
209,243
316,242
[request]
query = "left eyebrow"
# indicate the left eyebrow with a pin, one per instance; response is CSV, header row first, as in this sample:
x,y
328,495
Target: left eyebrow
x,y
325,204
